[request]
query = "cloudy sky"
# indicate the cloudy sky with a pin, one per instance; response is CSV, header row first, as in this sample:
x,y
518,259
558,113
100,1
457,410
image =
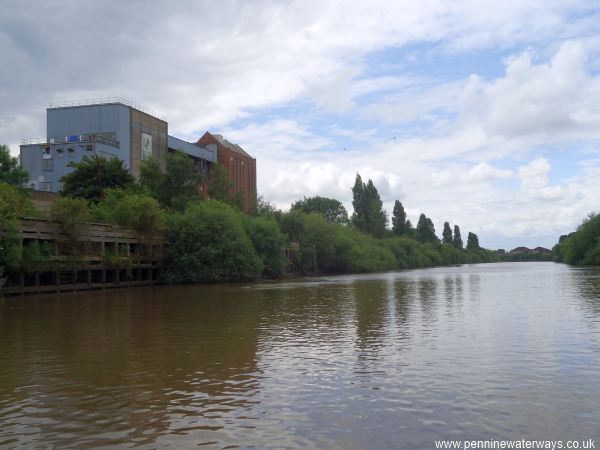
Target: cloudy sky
x,y
483,115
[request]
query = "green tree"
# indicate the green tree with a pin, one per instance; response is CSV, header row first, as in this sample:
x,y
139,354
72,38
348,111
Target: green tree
x,y
14,203
177,186
208,242
425,230
399,223
220,184
266,208
457,239
152,178
93,175
582,246
472,241
359,204
72,216
180,184
447,234
269,242
10,170
376,216
368,215
331,209
131,209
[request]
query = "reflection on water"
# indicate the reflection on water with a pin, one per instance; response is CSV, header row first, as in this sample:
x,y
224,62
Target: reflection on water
x,y
371,361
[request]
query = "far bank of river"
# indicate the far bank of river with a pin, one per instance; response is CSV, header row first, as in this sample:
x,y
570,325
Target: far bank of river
x,y
386,360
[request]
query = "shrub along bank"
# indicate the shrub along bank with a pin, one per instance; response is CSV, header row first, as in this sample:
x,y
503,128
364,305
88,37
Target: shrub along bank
x,y
213,241
582,247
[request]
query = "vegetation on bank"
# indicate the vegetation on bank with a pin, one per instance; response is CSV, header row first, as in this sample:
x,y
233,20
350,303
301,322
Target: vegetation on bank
x,y
15,202
212,240
524,254
581,247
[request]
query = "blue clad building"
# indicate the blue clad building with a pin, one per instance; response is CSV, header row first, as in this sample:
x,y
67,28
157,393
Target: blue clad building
x,y
106,127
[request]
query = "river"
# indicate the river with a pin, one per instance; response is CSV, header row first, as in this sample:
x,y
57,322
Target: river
x,y
388,360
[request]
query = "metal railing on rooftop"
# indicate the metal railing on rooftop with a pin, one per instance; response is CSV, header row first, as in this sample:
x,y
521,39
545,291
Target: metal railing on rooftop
x,y
30,141
103,100
109,138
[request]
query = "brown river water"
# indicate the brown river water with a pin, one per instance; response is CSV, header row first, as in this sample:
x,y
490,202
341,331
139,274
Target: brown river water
x,y
388,360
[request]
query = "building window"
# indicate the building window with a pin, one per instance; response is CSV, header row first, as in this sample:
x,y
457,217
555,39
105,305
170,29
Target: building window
x,y
71,152
60,152
48,164
46,186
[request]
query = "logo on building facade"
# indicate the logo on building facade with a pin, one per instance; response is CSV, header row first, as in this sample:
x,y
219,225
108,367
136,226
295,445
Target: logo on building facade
x,y
146,146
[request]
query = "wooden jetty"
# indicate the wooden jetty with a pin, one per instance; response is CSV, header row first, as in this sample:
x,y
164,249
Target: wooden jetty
x,y
106,256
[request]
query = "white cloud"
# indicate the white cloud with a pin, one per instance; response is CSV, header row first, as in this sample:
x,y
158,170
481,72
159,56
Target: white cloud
x,y
484,171
550,101
535,174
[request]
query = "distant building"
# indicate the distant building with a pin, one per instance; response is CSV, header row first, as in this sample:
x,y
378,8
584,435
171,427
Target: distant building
x,y
130,132
239,164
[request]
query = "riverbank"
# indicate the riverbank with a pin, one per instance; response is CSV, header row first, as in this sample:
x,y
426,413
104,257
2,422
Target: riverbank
x,y
207,241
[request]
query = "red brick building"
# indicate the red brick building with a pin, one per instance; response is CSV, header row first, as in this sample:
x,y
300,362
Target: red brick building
x,y
239,164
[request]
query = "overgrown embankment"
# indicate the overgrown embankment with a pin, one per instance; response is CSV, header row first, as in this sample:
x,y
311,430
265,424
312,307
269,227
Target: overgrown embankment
x,y
213,241
582,247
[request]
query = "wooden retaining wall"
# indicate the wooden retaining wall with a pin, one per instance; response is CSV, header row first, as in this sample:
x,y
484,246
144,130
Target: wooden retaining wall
x,y
107,256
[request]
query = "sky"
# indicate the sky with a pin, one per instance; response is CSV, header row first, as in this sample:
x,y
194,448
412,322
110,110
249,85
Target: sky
x,y
483,114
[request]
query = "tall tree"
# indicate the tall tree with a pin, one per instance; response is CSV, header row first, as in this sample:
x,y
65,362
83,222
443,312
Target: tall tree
x,y
331,209
152,178
265,208
431,231
457,240
376,216
368,215
358,204
447,234
181,180
421,231
399,222
220,184
93,175
425,230
472,241
10,170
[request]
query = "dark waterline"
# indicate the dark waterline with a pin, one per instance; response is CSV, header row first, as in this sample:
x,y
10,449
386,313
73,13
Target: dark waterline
x,y
394,360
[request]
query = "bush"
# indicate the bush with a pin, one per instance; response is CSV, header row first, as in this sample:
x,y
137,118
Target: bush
x,y
176,186
95,174
14,203
36,256
72,215
269,243
208,242
130,209
583,246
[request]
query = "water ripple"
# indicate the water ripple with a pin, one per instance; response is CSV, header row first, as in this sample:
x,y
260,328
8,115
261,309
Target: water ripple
x,y
369,361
